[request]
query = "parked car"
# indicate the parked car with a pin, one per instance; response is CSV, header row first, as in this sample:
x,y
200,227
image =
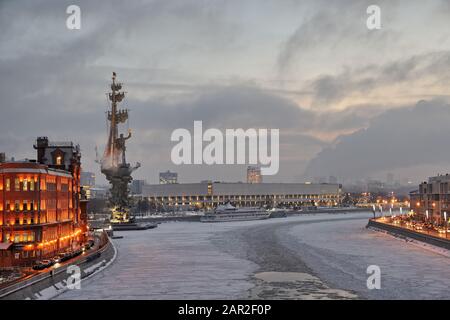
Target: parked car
x,y
64,256
56,259
39,266
48,262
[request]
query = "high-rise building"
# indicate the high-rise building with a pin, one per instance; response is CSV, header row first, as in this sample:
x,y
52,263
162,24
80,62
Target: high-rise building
x,y
87,179
136,186
168,177
42,211
390,179
254,174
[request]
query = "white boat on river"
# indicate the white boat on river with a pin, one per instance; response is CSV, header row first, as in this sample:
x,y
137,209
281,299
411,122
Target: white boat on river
x,y
226,213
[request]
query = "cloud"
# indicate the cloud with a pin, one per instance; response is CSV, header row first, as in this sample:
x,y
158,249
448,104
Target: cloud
x,y
182,61
396,139
223,107
398,77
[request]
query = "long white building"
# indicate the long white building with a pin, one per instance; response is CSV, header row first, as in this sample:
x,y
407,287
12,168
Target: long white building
x,y
211,194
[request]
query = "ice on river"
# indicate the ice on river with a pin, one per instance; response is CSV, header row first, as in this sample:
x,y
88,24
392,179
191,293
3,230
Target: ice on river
x,y
181,260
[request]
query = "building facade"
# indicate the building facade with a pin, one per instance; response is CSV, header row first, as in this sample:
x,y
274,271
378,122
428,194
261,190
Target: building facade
x,y
41,209
87,179
254,174
168,177
87,182
210,194
432,199
136,186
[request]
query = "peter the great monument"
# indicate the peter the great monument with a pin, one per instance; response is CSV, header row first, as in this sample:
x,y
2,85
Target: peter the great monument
x,y
113,163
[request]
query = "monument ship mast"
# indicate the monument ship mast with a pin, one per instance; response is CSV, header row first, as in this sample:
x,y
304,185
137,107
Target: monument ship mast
x,y
113,163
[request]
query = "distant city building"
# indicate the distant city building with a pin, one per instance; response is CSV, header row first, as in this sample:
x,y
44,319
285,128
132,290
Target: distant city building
x,y
432,199
332,179
375,186
2,157
41,210
208,195
390,179
254,174
87,182
87,179
136,186
320,180
99,192
168,177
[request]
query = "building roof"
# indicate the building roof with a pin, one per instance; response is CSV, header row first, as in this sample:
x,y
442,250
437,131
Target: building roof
x,y
31,167
5,246
199,189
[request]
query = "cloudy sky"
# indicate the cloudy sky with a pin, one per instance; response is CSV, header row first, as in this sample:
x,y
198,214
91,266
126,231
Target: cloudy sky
x,y
348,101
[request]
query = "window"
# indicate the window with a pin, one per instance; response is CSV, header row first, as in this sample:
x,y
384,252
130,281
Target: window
x,y
8,184
59,160
17,184
25,205
25,185
16,238
32,185
17,205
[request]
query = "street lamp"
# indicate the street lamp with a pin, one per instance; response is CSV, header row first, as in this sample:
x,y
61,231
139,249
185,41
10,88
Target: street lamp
x,y
445,223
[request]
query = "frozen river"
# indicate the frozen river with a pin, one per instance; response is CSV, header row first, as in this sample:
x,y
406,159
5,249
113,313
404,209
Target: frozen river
x,y
306,257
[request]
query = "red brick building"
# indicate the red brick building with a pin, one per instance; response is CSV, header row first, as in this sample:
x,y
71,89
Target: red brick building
x,y
41,210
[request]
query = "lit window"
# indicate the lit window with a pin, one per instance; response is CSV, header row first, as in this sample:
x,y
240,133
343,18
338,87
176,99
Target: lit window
x,y
32,185
58,160
17,184
17,205
25,185
8,184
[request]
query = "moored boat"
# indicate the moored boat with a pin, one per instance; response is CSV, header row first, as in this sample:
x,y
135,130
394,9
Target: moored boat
x,y
226,213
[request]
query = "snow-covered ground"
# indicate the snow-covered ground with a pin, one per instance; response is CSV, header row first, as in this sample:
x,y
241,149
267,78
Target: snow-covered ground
x,y
318,256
